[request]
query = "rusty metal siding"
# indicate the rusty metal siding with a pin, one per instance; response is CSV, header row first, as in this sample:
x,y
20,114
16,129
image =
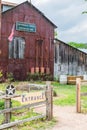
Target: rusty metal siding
x,y
44,31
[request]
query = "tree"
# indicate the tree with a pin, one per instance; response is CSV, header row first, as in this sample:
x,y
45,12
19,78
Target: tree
x,y
56,34
78,45
84,12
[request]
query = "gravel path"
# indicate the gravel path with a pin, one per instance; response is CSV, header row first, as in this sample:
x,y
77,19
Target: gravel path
x,y
68,119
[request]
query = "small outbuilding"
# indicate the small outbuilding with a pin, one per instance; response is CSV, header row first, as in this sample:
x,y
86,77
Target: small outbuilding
x,y
68,60
27,41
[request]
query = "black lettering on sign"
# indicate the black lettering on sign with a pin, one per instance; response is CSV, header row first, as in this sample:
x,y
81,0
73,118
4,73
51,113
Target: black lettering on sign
x,y
34,97
23,96
43,94
26,99
31,97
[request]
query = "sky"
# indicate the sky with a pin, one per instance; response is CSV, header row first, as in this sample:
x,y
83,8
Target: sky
x,y
66,15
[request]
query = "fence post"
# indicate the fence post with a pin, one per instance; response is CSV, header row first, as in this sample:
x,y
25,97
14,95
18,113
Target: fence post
x,y
7,105
49,101
78,96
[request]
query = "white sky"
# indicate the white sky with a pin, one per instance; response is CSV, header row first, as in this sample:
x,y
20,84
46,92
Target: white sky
x,y
67,15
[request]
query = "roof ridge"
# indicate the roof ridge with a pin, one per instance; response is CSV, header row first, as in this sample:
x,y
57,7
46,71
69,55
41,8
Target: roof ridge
x,y
35,9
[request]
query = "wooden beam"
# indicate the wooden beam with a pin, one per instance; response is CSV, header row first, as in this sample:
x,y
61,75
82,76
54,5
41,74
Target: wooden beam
x,y
78,95
49,101
4,126
22,107
9,96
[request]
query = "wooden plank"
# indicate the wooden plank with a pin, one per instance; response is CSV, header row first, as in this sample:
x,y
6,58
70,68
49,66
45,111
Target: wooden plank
x,y
7,116
1,97
83,94
22,107
4,126
83,82
31,97
11,96
78,96
49,102
36,85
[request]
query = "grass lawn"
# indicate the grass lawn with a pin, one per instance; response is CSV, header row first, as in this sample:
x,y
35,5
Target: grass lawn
x,y
66,95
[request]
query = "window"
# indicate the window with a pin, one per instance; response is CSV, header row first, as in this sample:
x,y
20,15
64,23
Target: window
x,y
16,48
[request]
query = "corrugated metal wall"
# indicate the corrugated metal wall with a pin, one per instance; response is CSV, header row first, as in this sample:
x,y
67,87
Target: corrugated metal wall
x,y
39,47
70,61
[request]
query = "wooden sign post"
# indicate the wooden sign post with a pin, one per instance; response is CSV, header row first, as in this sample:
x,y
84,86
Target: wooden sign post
x,y
49,101
7,105
78,96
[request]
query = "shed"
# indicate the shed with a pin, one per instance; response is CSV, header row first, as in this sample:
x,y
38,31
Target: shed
x,y
68,60
27,41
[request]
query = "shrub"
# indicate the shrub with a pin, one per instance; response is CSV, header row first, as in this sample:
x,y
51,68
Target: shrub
x,y
55,93
1,105
10,77
1,76
39,76
34,76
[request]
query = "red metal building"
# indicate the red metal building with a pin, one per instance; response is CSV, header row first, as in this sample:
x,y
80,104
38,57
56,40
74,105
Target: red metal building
x,y
30,47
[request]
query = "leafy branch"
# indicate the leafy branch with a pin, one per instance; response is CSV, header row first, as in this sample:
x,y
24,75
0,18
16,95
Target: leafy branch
x,y
78,45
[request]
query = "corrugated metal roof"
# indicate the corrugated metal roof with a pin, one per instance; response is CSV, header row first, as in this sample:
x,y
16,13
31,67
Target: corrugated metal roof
x,y
81,50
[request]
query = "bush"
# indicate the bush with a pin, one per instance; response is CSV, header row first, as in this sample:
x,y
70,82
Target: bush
x,y
55,93
1,105
1,77
39,76
10,77
34,76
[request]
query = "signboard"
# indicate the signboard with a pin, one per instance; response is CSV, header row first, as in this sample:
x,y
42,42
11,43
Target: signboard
x,y
31,97
27,27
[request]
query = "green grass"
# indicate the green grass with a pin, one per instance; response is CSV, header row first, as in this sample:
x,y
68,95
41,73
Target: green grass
x,y
66,94
38,125
84,99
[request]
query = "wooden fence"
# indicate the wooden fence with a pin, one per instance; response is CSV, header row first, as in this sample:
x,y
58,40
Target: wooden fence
x,y
79,82
8,109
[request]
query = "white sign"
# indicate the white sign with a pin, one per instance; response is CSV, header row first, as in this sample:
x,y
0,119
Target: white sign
x,y
31,97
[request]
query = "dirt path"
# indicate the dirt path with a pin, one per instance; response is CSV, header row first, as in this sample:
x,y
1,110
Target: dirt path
x,y
68,119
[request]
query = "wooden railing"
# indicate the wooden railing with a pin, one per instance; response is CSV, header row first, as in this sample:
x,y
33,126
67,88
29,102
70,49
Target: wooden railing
x,y
48,101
